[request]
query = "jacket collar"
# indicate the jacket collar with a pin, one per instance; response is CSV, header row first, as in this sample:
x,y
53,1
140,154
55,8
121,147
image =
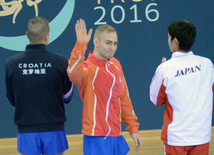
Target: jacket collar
x,y
181,54
96,61
35,46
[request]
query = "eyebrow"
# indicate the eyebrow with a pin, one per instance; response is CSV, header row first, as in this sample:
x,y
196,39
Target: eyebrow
x,y
112,41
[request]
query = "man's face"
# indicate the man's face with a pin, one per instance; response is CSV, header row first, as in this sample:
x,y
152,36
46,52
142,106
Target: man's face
x,y
107,45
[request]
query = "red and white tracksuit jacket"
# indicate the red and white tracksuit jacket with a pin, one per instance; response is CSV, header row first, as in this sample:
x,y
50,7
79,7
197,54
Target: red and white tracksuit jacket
x,y
103,91
184,84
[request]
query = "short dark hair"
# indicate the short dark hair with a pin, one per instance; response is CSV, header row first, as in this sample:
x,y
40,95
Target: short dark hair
x,y
184,31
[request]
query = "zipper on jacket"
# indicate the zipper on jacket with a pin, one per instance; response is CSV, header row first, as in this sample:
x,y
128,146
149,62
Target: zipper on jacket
x,y
109,99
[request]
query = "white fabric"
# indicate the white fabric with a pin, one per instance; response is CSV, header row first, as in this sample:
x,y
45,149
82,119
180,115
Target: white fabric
x,y
188,80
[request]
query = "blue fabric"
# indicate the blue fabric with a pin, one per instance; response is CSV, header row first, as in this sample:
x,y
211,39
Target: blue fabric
x,y
100,146
50,143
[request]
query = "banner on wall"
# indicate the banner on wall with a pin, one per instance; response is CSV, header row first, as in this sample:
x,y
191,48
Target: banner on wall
x,y
57,25
142,42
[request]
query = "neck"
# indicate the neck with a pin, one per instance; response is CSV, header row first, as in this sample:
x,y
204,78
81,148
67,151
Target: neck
x,y
183,51
41,42
98,56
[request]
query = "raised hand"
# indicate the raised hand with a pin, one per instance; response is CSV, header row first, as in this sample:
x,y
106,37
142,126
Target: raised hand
x,y
81,32
163,60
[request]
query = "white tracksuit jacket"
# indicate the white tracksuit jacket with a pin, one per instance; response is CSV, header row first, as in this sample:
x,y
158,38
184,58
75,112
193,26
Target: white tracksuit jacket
x,y
185,84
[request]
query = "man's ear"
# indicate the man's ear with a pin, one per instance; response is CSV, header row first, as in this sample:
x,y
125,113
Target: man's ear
x,y
175,41
46,38
96,42
27,35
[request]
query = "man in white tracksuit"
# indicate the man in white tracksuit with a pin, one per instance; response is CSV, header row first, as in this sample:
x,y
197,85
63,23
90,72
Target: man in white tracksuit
x,y
185,85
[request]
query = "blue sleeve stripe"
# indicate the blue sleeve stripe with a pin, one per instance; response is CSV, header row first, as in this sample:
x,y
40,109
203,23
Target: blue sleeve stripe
x,y
69,94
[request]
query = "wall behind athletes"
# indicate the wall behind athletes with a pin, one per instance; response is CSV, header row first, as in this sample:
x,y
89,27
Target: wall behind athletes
x,y
142,32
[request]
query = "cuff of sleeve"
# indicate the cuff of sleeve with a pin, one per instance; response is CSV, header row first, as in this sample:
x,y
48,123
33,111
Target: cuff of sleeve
x,y
133,130
80,46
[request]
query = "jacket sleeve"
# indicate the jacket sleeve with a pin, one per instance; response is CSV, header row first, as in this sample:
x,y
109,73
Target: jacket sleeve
x,y
68,87
9,88
157,87
75,64
127,115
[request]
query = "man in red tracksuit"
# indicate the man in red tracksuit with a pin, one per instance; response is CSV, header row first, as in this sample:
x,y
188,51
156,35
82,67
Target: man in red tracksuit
x,y
104,93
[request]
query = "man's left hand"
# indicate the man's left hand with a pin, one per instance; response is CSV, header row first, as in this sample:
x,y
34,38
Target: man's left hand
x,y
138,141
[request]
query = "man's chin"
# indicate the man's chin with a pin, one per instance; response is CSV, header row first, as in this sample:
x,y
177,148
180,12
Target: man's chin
x,y
110,56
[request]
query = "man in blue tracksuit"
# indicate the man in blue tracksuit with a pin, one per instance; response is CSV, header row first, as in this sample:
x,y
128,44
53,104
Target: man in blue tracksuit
x,y
37,86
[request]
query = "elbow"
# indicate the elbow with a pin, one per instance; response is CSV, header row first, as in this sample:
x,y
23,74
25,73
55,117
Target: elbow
x,y
67,97
153,99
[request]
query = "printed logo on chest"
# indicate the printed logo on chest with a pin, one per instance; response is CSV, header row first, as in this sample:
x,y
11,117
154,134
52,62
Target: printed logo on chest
x,y
120,79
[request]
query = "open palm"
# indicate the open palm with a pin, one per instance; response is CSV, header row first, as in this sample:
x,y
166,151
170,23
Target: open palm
x,y
81,32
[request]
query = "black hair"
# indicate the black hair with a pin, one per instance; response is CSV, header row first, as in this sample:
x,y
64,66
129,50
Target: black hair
x,y
184,31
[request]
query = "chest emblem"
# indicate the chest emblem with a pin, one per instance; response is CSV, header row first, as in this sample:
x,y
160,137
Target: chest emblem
x,y
120,79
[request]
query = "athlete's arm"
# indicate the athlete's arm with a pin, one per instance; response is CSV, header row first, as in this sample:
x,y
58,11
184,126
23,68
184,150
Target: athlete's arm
x,y
75,63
